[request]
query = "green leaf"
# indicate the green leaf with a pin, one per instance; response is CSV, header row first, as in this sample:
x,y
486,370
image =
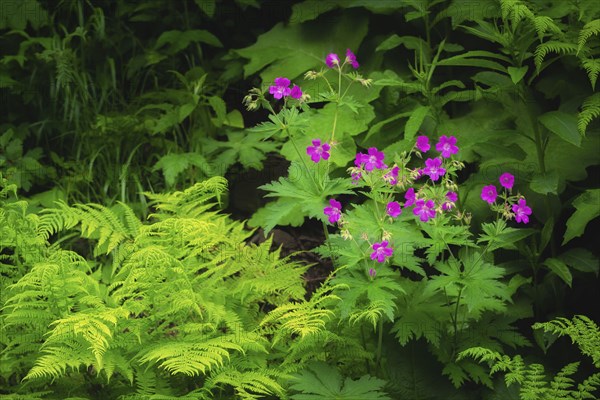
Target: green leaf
x,y
322,382
234,119
220,109
472,59
414,122
283,211
587,206
207,6
560,269
174,164
516,74
179,40
499,235
562,124
248,149
289,50
16,14
546,235
581,259
545,183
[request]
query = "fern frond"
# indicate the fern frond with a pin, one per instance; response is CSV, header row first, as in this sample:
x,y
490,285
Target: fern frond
x,y
543,24
193,356
552,46
515,11
248,384
588,30
592,67
192,202
590,110
583,331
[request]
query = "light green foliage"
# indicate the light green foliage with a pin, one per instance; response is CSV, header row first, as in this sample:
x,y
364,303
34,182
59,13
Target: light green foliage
x,y
179,295
532,379
582,330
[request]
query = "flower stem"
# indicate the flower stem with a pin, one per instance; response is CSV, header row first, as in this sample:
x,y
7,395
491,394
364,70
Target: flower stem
x,y
379,342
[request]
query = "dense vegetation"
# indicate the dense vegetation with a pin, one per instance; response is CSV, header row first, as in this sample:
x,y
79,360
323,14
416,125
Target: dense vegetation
x,y
437,160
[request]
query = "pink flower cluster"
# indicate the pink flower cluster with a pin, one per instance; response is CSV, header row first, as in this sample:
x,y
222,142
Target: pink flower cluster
x,y
333,60
282,89
521,210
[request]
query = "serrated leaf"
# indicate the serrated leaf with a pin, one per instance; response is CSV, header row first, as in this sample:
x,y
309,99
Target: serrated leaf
x,y
220,109
517,73
545,183
207,6
174,164
286,50
587,207
280,212
234,119
581,259
414,122
563,125
560,269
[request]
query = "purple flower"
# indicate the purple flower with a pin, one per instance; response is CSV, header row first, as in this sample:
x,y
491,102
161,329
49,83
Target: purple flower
x,y
351,58
372,272
489,194
507,180
451,198
392,176
423,143
334,211
318,150
424,209
522,211
281,88
410,197
296,92
374,159
434,168
381,251
447,146
393,209
332,60
356,177
419,172
358,161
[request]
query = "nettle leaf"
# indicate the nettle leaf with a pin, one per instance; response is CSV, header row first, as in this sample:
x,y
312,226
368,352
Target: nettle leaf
x,y
562,124
517,73
179,40
562,155
291,50
500,236
560,269
309,10
174,164
248,149
581,259
586,206
415,121
473,59
323,382
545,183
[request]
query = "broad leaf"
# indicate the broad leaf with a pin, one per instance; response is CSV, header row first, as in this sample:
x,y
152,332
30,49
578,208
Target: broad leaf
x,y
562,124
587,207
